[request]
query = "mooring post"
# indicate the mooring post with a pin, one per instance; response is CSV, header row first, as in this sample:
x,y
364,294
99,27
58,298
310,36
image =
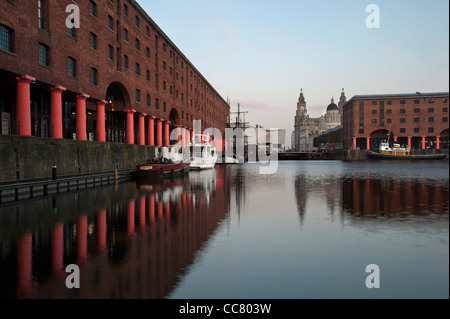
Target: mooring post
x,y
54,168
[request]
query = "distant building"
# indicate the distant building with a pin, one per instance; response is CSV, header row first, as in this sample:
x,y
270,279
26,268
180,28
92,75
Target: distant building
x,y
261,138
418,120
306,128
330,140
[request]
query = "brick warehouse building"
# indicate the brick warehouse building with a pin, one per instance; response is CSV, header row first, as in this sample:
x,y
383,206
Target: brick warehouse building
x,y
117,78
418,120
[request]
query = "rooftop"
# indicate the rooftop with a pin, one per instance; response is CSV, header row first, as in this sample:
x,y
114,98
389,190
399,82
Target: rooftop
x,y
399,96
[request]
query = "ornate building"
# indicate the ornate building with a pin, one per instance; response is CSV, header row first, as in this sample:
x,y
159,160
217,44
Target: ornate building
x,y
306,128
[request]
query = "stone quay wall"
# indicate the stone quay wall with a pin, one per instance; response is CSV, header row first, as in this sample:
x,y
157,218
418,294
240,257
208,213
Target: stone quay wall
x,y
29,158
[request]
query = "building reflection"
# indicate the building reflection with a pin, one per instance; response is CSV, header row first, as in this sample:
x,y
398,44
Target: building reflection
x,y
328,188
130,241
393,197
371,197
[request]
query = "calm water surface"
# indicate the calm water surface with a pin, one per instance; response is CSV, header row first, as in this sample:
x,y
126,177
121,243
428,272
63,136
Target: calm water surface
x,y
308,231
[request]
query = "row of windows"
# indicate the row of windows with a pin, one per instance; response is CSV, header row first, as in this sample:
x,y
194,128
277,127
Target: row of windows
x,y
403,102
416,120
416,111
403,130
7,44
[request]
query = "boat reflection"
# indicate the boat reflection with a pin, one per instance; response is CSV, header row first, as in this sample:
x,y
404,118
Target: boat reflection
x,y
129,240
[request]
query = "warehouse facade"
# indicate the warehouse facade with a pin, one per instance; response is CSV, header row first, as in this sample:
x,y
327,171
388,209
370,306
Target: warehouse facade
x,y
116,78
418,120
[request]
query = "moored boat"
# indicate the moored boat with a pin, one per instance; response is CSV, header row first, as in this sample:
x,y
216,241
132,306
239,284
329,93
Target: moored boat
x,y
203,153
166,164
398,152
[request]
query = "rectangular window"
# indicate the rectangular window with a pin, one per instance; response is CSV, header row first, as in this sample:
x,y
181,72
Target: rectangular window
x,y
416,111
164,107
138,95
43,14
125,35
374,121
389,112
110,52
361,131
138,69
147,52
416,120
110,22
431,130
43,54
402,130
416,130
148,75
431,101
94,76
6,38
125,10
445,110
402,102
164,85
137,22
92,8
164,65
93,41
125,61
374,103
402,111
445,119
72,32
148,99
374,112
72,67
431,110
147,31
157,104
389,121
402,120
445,101
138,45
389,103
416,102
431,120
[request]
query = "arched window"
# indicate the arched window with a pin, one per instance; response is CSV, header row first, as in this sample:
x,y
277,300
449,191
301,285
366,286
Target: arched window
x,y
6,38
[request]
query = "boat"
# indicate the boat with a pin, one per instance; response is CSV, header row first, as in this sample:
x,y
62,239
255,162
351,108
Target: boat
x,y
203,153
169,162
397,152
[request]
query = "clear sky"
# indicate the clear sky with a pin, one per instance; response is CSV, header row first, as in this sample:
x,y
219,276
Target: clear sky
x,y
260,53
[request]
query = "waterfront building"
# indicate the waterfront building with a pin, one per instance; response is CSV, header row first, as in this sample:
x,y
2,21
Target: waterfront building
x,y
307,128
418,120
116,78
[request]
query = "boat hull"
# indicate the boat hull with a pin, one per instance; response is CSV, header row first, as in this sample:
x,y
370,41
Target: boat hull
x,y
376,155
160,171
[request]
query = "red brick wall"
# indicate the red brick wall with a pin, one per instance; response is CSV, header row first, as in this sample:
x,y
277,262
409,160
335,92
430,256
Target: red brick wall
x,y
22,17
351,117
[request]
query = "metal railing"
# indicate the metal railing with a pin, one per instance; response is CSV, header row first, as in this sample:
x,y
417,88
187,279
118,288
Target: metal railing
x,y
13,191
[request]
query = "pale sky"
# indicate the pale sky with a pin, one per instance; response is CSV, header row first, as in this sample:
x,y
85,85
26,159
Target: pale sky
x,y
260,53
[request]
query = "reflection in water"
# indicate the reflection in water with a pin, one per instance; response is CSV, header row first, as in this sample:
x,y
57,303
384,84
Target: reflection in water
x,y
391,197
233,233
130,241
373,195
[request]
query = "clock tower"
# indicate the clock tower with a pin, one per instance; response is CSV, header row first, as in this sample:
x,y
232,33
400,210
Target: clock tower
x,y
301,105
301,117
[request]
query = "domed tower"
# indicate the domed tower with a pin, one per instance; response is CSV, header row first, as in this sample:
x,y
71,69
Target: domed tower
x,y
333,116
